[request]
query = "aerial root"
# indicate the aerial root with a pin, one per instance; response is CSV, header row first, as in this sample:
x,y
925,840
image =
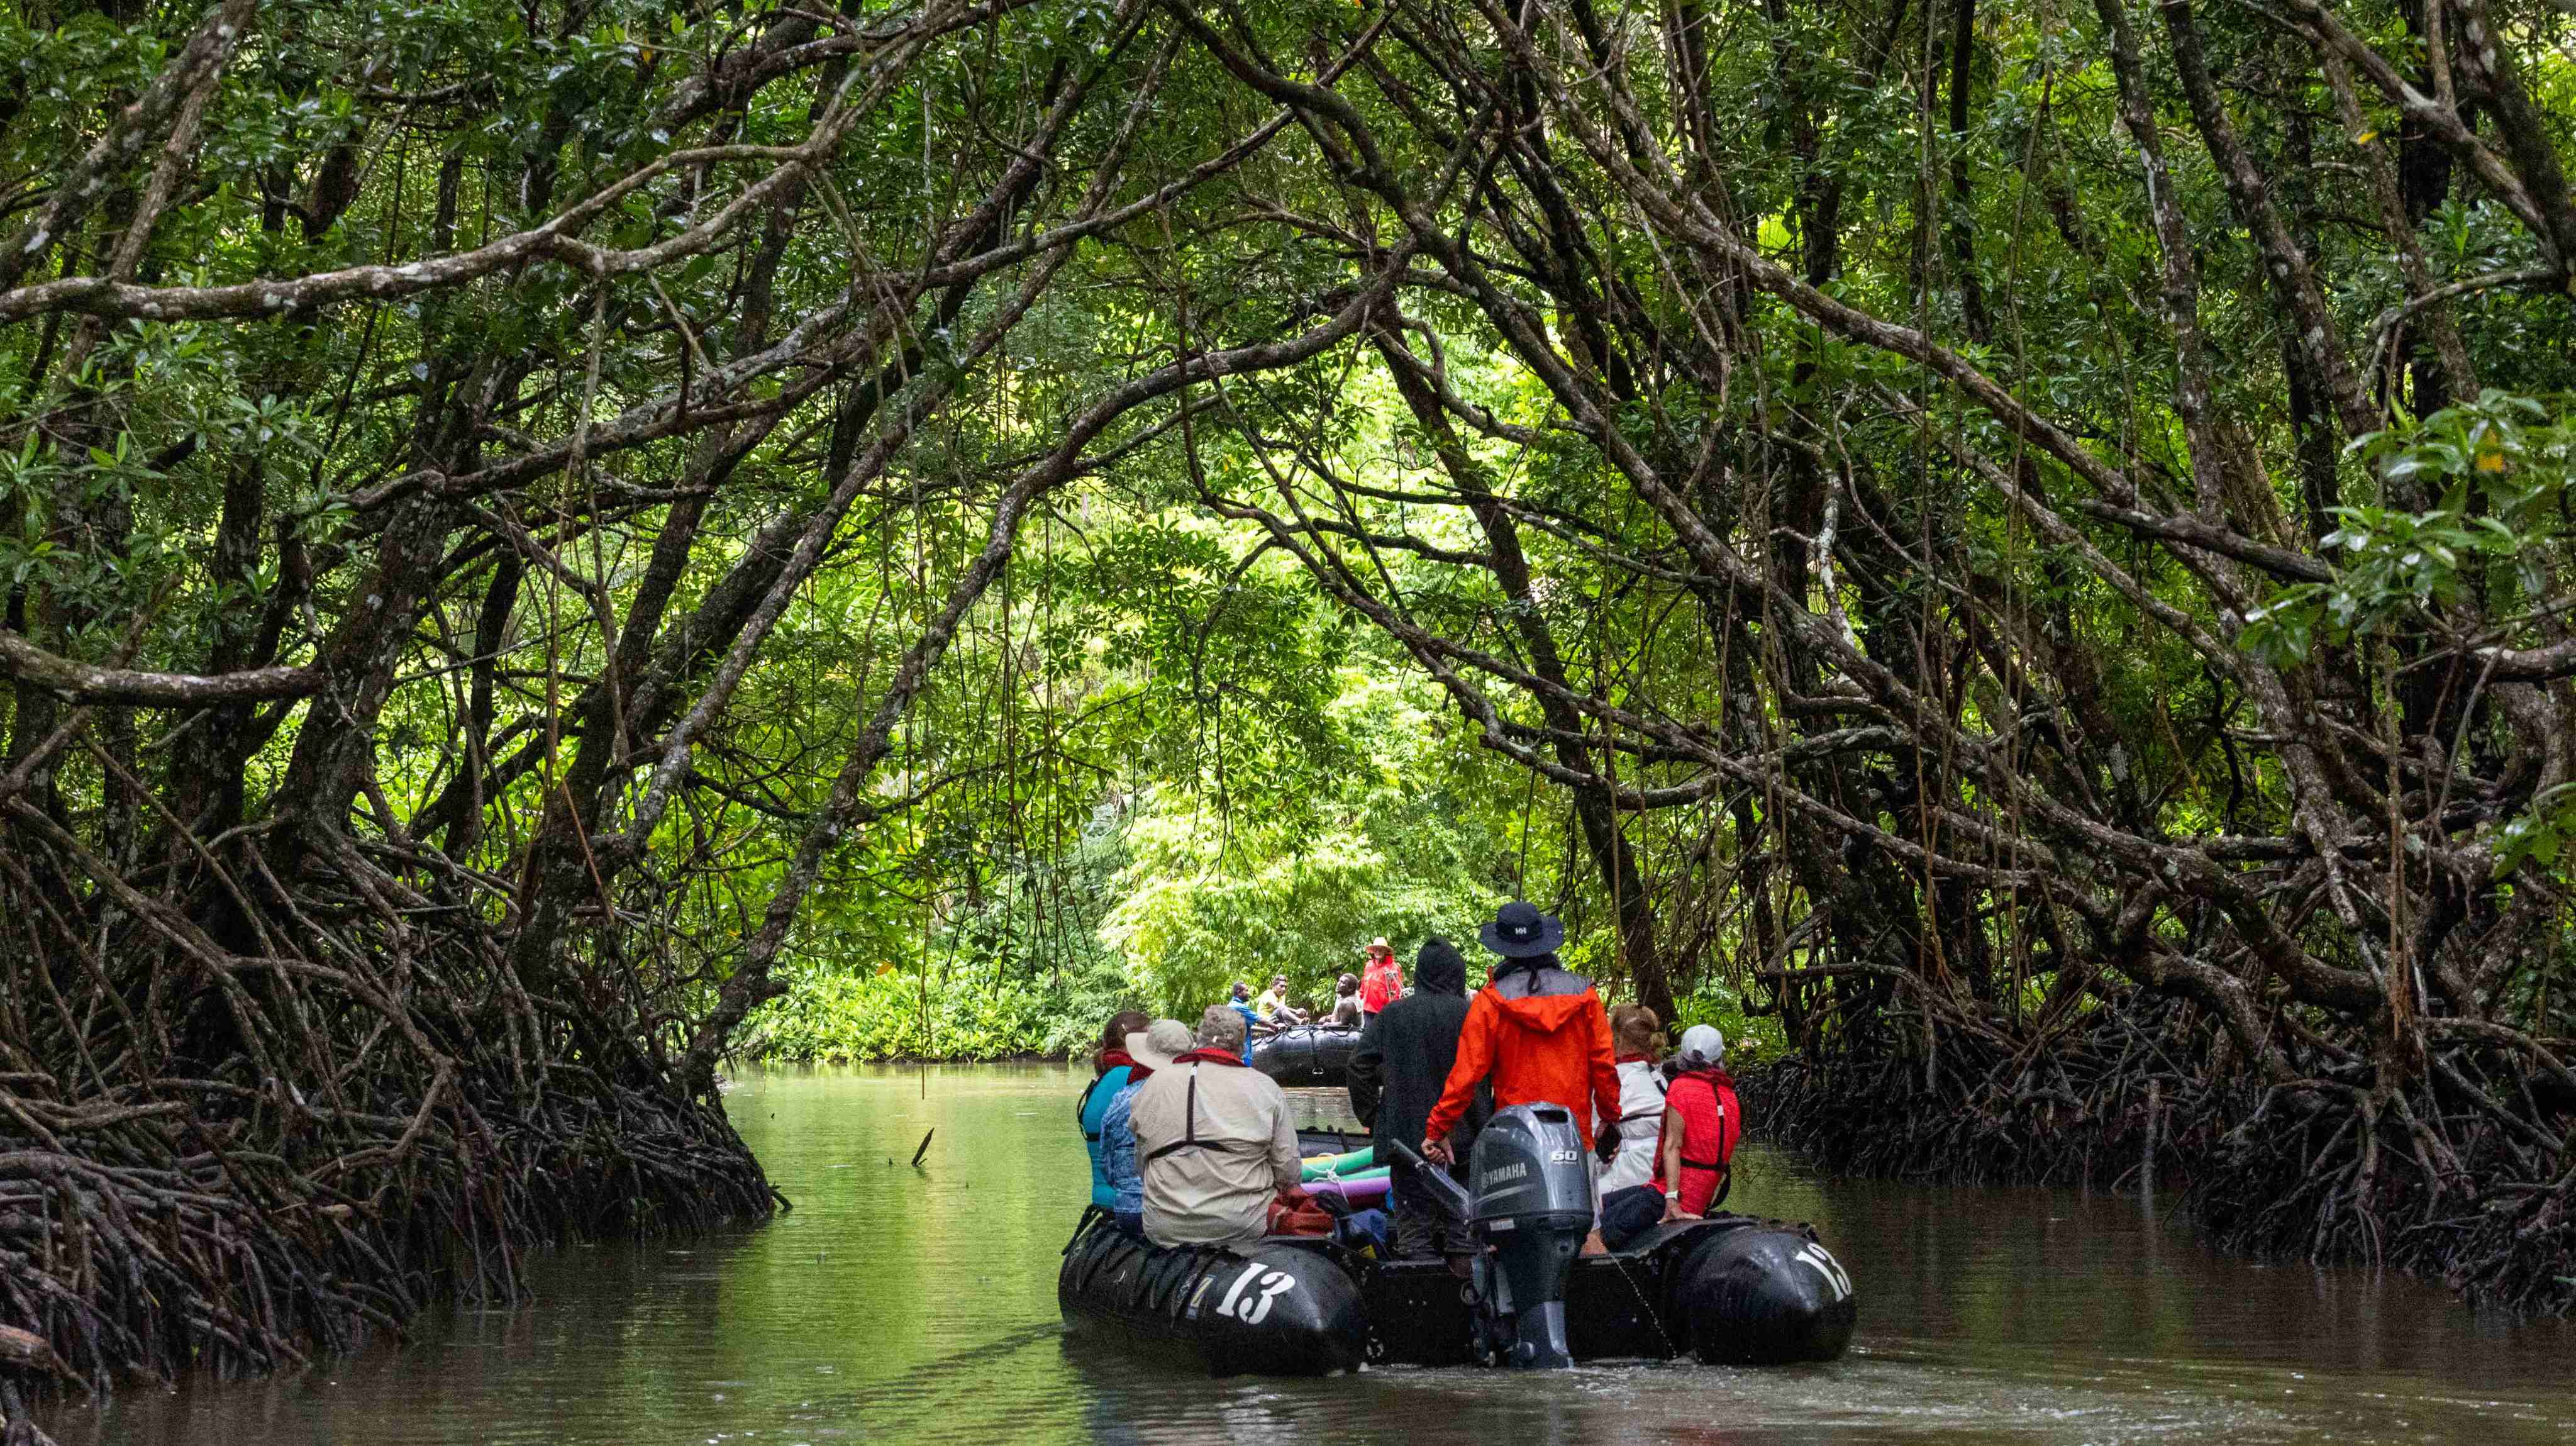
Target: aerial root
x,y
241,1155
2439,1177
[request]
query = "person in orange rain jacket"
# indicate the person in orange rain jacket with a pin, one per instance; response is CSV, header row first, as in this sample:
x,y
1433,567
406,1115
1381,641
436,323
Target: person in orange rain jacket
x,y
1538,1031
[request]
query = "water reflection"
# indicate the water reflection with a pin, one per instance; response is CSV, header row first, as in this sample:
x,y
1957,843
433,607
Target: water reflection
x,y
897,1304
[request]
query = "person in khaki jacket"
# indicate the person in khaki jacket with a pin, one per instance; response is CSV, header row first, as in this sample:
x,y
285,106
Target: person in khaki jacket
x,y
1214,1140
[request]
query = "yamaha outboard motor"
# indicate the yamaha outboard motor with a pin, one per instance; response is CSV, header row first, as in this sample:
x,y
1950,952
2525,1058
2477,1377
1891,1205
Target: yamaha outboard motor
x,y
1532,1204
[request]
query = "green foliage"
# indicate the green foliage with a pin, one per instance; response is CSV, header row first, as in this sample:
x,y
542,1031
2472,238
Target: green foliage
x,y
2498,469
1751,1038
963,1013
1389,847
1159,757
2541,833
1170,896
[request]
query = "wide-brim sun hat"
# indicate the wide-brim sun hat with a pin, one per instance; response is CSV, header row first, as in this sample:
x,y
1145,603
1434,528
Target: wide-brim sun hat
x,y
1520,931
1160,1043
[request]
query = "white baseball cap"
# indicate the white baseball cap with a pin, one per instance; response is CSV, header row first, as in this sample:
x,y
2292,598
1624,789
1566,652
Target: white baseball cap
x,y
1703,1043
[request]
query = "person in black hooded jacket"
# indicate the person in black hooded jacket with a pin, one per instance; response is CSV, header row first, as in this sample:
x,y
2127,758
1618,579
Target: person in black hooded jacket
x,y
1395,1079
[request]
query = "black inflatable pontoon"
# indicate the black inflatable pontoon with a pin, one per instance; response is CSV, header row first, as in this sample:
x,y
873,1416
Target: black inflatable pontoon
x,y
1728,1289
1731,1289
1280,1308
1306,1054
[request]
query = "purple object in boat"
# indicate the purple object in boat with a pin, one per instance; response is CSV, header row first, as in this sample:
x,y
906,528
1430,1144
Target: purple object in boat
x,y
1350,1191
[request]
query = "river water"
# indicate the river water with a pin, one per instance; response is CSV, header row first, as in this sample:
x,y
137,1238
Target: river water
x,y
899,1305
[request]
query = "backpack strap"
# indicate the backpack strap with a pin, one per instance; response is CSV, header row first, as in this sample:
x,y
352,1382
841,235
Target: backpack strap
x,y
1662,1088
1082,1107
1189,1139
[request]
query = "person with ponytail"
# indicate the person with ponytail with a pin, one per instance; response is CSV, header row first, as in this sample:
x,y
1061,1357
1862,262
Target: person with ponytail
x,y
1630,1200
1109,1073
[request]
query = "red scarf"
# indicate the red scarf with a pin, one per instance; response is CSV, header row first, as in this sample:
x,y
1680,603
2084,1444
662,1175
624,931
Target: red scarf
x,y
1210,1056
1112,1058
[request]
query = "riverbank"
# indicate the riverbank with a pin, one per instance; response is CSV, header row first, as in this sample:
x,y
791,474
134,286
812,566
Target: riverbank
x,y
2260,1171
232,1264
831,1015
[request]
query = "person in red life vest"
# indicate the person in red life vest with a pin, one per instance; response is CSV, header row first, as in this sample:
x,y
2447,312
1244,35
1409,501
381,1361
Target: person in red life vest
x,y
1702,1122
1538,1031
1381,980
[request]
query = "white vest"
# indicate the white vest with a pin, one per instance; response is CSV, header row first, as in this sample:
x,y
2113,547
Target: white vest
x,y
1641,1127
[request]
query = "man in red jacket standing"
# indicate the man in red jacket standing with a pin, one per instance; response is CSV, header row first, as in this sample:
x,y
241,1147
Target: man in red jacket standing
x,y
1538,1031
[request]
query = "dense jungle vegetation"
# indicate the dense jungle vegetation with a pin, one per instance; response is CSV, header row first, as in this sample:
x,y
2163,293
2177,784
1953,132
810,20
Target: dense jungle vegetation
x,y
2022,547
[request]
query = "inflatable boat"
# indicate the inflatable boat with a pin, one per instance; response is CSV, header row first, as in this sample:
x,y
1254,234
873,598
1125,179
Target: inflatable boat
x,y
1727,1289
1306,1054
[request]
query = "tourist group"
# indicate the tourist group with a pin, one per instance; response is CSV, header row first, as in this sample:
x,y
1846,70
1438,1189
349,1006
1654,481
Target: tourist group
x,y
1191,1145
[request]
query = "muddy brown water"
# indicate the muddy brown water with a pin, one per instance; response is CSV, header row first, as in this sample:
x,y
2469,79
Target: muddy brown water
x,y
903,1305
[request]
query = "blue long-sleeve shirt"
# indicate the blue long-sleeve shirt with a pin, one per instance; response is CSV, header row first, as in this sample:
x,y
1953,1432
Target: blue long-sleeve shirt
x,y
1249,1019
1091,1113
1118,1153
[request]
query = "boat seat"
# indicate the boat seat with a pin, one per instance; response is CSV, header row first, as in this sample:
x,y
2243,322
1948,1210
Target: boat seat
x,y
1657,1236
1322,1244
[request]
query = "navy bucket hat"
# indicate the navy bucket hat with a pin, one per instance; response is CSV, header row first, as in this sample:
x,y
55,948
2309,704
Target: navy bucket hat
x,y
1520,931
